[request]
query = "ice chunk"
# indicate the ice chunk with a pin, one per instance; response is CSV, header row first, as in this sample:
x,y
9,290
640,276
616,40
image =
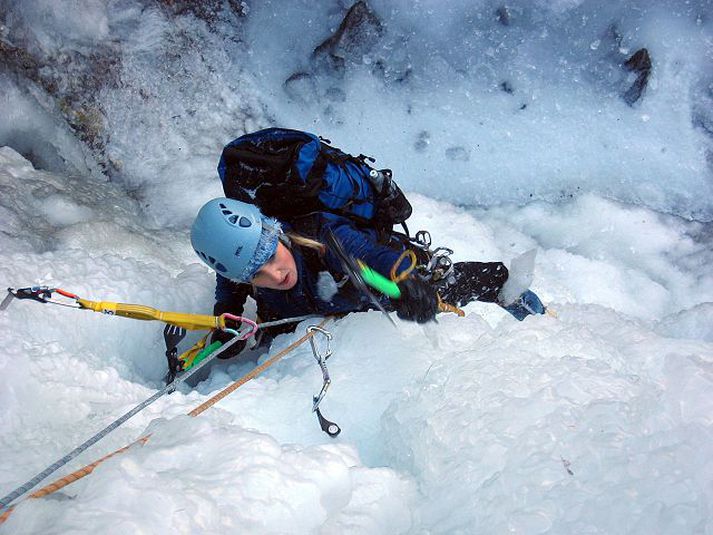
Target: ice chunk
x,y
520,278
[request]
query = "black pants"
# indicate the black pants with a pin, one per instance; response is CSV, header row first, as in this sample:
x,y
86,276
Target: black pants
x,y
473,281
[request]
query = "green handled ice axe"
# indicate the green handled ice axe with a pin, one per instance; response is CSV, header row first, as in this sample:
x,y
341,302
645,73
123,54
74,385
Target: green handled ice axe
x,y
363,277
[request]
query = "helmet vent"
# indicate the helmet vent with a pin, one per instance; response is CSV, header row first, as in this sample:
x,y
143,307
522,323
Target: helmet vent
x,y
225,235
217,265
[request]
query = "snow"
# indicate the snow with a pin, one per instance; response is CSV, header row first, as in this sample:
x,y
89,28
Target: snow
x,y
595,419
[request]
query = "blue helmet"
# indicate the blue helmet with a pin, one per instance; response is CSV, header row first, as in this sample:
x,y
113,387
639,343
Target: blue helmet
x,y
234,238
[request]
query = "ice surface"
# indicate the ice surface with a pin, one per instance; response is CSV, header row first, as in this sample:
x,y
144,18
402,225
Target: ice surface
x,y
520,274
594,420
471,103
695,322
597,420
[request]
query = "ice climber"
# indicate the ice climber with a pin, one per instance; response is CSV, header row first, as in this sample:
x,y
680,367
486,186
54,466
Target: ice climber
x,y
290,270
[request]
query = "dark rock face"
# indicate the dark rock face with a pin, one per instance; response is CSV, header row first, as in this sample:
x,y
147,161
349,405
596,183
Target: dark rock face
x,y
503,15
355,37
20,61
640,64
458,154
206,10
75,81
627,76
72,86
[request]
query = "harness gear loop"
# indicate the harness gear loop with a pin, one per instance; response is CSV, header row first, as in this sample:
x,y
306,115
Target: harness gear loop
x,y
440,266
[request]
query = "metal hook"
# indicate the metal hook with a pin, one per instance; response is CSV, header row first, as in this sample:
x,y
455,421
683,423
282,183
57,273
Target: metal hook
x,y
422,240
43,294
327,335
440,264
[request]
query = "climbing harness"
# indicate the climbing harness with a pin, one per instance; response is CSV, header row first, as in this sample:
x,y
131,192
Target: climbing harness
x,y
440,266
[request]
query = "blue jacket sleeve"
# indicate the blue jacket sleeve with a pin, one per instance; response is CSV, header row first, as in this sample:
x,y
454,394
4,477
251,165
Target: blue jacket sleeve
x,y
362,244
229,296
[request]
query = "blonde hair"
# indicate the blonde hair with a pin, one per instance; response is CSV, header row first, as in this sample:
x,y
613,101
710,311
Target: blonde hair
x,y
303,241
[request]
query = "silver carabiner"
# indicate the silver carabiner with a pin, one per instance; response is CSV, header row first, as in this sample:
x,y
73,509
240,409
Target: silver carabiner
x,y
440,266
321,359
327,335
422,240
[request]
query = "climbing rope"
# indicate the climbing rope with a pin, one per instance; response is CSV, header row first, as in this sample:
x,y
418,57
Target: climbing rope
x,y
88,469
22,489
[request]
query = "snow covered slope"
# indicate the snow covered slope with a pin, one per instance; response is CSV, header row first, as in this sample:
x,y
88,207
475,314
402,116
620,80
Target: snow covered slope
x,y
508,127
598,419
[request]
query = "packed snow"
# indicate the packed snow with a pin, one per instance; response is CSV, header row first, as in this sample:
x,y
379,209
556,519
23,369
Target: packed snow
x,y
595,418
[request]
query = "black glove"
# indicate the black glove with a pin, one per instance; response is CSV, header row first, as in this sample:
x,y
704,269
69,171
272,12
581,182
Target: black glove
x,y
418,301
224,337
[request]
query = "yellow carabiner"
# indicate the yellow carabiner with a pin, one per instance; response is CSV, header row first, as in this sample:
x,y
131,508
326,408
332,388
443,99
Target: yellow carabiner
x,y
404,274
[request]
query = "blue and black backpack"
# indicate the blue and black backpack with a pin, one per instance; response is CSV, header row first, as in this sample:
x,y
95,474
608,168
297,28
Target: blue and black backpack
x,y
290,174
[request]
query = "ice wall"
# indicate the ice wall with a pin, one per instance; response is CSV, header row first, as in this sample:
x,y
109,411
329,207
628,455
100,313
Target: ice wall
x,y
477,103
